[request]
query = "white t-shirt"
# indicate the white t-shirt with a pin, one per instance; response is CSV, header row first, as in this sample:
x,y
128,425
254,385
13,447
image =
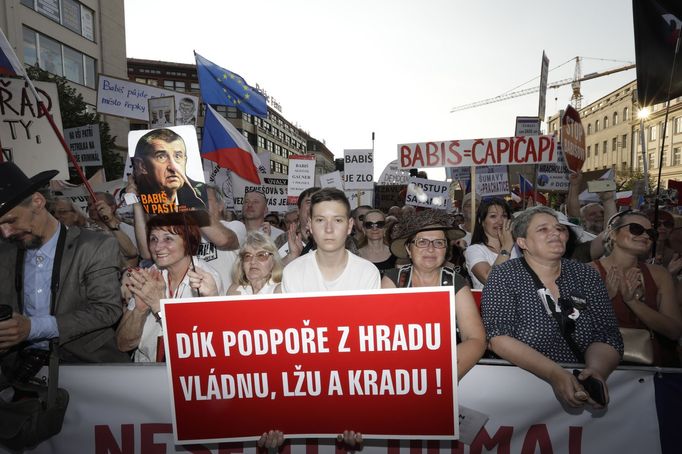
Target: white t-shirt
x,y
303,275
477,253
146,349
223,261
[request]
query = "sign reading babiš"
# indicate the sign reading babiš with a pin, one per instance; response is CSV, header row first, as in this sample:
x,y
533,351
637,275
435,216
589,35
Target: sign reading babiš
x,y
478,152
573,139
313,365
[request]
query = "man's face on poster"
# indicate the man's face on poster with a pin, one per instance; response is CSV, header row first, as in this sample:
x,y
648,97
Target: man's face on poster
x,y
187,108
165,164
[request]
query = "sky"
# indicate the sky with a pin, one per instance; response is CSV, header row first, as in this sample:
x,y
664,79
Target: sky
x,y
342,69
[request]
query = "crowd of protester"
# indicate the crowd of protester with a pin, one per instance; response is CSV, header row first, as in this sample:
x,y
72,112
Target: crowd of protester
x,y
556,284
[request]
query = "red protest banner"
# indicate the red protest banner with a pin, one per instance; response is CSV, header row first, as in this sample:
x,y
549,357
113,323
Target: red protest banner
x,y
478,152
313,365
573,139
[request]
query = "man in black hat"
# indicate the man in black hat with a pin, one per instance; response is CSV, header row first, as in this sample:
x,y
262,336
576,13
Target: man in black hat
x,y
61,283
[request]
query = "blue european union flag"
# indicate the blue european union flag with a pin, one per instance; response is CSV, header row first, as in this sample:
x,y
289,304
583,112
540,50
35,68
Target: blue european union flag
x,y
225,88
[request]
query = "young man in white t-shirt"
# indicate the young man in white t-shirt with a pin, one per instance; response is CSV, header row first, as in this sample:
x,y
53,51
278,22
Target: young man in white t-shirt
x,y
330,267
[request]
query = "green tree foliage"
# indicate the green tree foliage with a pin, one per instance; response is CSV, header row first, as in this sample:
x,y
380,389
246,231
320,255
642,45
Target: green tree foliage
x,y
74,113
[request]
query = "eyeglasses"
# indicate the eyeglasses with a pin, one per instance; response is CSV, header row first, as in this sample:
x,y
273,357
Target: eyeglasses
x,y
374,225
261,256
423,243
638,229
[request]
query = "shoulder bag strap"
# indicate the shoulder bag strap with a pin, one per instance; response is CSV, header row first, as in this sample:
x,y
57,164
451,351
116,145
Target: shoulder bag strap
x,y
569,339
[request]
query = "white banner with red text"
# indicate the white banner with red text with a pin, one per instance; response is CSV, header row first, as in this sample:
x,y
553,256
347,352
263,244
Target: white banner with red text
x,y
478,152
125,409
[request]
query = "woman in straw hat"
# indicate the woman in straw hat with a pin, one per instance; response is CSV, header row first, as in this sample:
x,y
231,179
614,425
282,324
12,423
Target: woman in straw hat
x,y
425,239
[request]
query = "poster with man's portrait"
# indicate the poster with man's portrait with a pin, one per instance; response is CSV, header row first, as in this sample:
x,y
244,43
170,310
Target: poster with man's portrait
x,y
166,165
186,113
161,111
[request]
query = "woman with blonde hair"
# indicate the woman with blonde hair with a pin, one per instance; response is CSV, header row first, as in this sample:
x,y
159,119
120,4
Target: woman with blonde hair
x,y
258,268
642,294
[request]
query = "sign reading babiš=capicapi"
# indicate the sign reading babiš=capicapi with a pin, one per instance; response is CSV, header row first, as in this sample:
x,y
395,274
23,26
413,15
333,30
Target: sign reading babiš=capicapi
x,y
539,149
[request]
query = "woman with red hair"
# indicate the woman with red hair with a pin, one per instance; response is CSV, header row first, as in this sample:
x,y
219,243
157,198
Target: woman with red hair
x,y
173,239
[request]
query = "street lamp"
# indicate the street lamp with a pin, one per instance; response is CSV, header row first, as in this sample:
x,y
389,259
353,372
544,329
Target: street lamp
x,y
643,114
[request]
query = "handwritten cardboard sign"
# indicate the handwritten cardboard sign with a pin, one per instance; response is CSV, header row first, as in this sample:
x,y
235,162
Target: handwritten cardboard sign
x,y
27,137
312,365
478,152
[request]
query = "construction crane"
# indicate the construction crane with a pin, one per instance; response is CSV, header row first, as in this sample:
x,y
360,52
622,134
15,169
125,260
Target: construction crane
x,y
576,97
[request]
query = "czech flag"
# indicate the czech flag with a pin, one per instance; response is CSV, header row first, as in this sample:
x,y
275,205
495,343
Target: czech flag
x,y
9,63
527,191
223,144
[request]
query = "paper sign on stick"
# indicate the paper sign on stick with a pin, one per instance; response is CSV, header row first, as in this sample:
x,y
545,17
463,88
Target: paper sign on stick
x,y
376,360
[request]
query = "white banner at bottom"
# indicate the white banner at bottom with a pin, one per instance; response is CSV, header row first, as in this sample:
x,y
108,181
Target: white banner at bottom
x,y
125,409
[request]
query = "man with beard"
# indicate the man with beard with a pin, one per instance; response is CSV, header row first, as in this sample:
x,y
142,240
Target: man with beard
x,y
61,283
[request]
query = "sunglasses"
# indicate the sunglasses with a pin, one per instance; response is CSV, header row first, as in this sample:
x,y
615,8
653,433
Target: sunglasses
x,y
260,256
374,225
638,229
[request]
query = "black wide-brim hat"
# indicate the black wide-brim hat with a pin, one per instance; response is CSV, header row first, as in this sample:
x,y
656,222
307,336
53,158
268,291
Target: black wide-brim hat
x,y
15,186
421,222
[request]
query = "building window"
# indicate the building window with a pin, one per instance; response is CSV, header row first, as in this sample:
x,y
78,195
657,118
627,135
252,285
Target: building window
x,y
588,151
605,146
652,133
677,156
175,85
614,144
615,118
260,142
677,125
652,159
70,13
665,158
626,111
589,128
54,57
596,149
596,126
624,141
606,122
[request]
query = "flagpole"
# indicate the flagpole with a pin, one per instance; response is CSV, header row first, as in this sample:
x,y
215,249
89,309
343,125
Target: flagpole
x,y
665,127
42,109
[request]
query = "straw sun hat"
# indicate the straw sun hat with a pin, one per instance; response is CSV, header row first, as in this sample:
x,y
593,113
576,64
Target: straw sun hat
x,y
423,221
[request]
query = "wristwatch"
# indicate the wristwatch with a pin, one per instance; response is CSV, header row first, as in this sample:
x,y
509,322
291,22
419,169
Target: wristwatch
x,y
504,252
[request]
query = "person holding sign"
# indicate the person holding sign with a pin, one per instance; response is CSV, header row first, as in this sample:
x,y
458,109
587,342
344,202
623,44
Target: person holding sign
x,y
542,310
172,240
330,267
258,268
491,243
425,239
159,167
